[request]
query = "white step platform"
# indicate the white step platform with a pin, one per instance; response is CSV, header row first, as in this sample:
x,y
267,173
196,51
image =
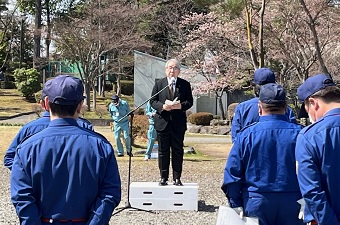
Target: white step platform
x,y
151,196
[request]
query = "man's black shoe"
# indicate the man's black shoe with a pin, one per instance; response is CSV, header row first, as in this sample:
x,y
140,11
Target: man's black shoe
x,y
120,155
163,182
129,154
178,182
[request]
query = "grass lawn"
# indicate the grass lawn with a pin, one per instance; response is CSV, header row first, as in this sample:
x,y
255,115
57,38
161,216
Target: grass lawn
x,y
204,151
12,103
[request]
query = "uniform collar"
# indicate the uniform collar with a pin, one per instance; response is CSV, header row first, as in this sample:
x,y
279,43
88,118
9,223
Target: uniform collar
x,y
273,117
333,112
46,114
63,122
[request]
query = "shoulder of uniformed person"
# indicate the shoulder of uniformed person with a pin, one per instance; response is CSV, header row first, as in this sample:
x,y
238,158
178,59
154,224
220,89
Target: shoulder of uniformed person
x,y
310,127
249,125
84,120
112,106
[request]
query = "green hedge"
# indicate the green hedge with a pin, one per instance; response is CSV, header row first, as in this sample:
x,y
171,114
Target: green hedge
x,y
201,118
127,87
7,85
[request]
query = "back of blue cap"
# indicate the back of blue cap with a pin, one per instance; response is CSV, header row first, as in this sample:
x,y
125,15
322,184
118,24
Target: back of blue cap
x,y
264,76
64,90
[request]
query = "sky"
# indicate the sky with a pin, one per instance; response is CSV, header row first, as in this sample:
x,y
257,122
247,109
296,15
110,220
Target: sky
x,y
11,4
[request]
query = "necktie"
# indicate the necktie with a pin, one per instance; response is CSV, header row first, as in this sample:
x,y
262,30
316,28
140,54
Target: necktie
x,y
171,90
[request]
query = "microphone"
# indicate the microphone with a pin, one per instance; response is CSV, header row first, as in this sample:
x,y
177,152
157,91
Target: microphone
x,y
173,81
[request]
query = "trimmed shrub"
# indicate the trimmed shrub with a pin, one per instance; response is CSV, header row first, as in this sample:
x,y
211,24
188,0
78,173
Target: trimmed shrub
x,y
7,85
127,87
201,118
140,126
27,81
37,96
231,110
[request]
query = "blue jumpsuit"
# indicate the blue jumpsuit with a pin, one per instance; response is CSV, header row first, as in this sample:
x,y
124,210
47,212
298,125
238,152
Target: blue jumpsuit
x,y
247,113
260,173
318,155
65,172
117,112
30,129
152,133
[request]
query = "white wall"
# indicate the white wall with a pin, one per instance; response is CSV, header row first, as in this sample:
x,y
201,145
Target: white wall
x,y
148,68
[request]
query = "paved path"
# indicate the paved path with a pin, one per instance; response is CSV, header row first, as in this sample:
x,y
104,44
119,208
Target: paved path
x,y
208,139
21,119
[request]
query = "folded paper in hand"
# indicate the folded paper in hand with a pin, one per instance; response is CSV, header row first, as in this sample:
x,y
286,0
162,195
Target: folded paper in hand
x,y
173,102
227,216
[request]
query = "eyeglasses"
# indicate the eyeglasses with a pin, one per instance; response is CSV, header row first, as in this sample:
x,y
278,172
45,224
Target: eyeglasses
x,y
173,68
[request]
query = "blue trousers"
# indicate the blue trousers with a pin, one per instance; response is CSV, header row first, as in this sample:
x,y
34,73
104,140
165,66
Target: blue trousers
x,y
152,134
118,128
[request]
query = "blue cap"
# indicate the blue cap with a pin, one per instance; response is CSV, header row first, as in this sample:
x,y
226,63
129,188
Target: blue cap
x,y
114,97
64,90
264,76
43,94
313,85
272,94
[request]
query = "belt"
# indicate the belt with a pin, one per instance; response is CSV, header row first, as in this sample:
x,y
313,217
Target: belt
x,y
46,220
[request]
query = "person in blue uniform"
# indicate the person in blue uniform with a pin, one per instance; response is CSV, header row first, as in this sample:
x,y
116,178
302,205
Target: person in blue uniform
x,y
152,134
260,174
34,127
65,174
317,150
247,112
118,109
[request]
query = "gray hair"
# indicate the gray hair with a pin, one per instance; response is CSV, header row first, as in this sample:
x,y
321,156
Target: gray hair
x,y
178,64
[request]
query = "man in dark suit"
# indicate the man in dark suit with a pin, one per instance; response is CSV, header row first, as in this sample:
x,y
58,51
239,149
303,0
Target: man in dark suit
x,y
170,120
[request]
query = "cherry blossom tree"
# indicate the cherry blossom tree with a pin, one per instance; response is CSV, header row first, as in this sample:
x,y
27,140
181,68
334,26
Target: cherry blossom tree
x,y
294,38
101,28
214,46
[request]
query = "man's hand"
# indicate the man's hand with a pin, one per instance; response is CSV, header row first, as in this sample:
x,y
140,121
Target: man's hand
x,y
167,107
177,106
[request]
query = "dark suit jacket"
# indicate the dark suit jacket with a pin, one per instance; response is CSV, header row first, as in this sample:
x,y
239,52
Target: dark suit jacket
x,y
184,95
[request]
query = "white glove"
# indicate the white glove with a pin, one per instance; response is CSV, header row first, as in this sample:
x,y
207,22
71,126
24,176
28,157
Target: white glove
x,y
239,211
301,213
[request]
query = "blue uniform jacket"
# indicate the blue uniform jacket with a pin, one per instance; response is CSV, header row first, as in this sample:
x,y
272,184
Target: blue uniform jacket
x,y
149,111
247,113
119,111
65,172
262,159
318,155
30,129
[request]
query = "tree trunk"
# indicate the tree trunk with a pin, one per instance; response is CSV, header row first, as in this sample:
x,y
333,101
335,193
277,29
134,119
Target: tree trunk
x,y
88,95
311,25
48,35
220,104
118,86
250,41
94,101
102,83
37,33
261,51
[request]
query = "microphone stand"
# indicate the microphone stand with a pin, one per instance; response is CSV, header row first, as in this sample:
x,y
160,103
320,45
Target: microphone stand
x,y
131,113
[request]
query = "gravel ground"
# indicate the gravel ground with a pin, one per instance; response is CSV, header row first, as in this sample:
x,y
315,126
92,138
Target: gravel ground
x,y
208,175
